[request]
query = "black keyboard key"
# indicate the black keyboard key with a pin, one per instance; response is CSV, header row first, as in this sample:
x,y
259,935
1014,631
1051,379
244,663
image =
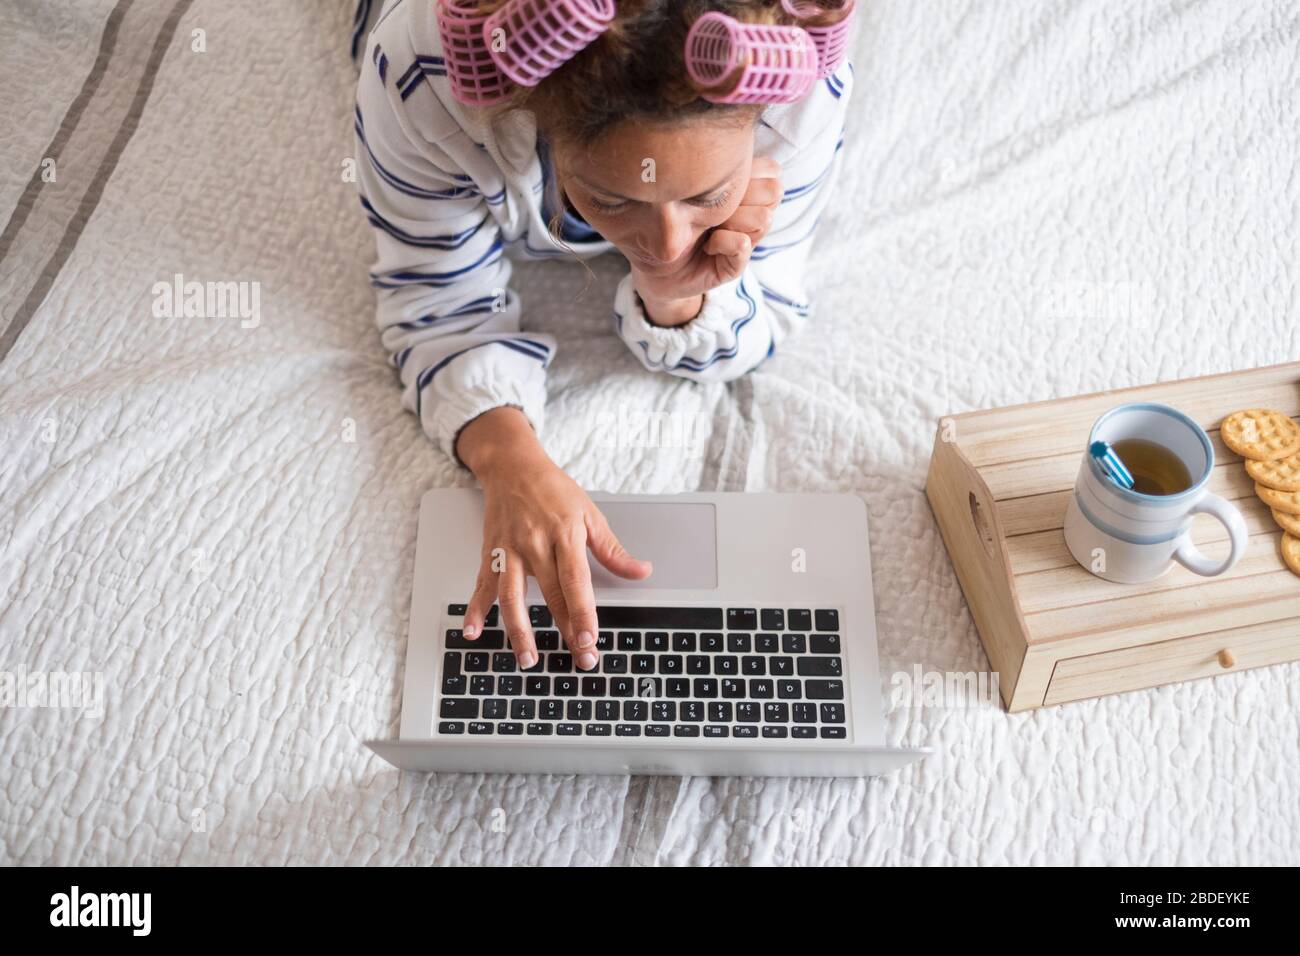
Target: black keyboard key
x,y
725,664
509,729
481,727
663,710
819,667
706,687
686,730
770,730
628,730
824,643
559,663
658,730
643,663
732,688
614,663
711,643
788,690
760,688
748,712
720,712
492,618
598,730
503,662
670,663
523,709
781,666
740,643
672,618
691,711
772,619
451,664
489,641
510,685
697,664
713,730
677,687
482,685
547,640
462,707
804,713
827,619
753,666
742,619
538,687
799,620
604,641
578,710
622,687
656,641
494,708
684,643
539,665
566,685
539,615
541,730
823,689
834,733
568,730
803,732
745,731
794,644
635,710
593,687
550,710
649,688
476,662
629,640
456,610
776,713
454,686
767,643
607,710
451,727
832,713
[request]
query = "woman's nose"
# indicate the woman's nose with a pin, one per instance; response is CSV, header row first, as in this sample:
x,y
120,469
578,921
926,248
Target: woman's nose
x,y
671,237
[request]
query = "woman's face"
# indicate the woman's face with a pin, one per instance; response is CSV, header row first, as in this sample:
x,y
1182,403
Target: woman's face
x,y
656,190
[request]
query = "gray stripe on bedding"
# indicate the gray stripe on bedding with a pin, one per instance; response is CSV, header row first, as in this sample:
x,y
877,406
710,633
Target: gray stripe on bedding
x,y
77,149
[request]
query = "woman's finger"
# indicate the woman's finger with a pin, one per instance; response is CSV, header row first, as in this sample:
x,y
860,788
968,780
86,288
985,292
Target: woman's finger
x,y
730,251
753,221
480,602
514,613
762,192
575,581
610,552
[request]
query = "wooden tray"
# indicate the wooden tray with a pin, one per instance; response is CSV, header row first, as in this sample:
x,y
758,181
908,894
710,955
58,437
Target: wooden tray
x,y
999,482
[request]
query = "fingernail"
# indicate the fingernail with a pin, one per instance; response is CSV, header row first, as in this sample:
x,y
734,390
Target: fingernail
x,y
587,661
470,631
527,659
586,639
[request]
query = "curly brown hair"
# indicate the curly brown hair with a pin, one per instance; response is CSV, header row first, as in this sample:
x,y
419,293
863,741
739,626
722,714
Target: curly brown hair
x,y
636,69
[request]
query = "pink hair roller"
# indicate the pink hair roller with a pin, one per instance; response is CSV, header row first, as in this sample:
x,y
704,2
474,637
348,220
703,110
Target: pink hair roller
x,y
735,62
537,37
475,78
831,39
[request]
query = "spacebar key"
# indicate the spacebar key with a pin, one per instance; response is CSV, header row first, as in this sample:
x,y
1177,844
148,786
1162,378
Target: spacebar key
x,y
665,617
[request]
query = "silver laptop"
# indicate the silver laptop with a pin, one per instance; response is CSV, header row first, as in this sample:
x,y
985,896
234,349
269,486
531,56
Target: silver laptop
x,y
750,651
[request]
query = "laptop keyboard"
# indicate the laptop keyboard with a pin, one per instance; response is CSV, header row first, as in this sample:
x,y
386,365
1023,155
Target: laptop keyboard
x,y
680,672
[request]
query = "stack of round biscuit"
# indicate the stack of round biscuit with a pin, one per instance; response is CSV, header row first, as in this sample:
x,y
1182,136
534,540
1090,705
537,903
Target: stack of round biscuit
x,y
1270,443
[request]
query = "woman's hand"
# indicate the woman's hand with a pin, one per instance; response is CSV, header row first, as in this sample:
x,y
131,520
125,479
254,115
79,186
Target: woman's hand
x,y
677,298
537,522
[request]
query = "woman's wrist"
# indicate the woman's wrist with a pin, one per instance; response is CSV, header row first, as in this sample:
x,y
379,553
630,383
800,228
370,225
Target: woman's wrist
x,y
499,440
670,313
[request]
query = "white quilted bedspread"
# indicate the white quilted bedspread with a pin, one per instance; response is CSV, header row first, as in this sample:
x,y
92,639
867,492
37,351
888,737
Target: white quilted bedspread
x,y
1038,200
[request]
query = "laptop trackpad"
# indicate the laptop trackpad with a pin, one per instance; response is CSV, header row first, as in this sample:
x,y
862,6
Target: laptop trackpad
x,y
680,538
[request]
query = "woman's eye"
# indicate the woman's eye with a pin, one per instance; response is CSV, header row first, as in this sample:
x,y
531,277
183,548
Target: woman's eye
x,y
719,200
607,207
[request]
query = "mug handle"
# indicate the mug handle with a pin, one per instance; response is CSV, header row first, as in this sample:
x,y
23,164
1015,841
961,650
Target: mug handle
x,y
1191,557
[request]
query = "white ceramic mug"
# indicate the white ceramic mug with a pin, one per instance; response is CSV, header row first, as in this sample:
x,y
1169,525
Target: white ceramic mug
x,y
1130,537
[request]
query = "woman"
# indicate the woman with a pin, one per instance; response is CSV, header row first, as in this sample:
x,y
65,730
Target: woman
x,y
622,146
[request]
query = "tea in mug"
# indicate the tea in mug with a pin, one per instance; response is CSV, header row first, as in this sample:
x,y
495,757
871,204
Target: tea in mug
x,y
1155,469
